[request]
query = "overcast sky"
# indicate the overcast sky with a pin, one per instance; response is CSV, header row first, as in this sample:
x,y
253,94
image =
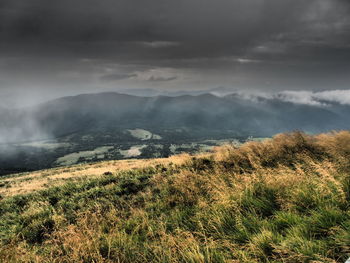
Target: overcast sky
x,y
51,48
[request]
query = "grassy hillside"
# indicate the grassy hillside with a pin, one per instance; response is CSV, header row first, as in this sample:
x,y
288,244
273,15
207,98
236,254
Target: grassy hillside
x,y
281,200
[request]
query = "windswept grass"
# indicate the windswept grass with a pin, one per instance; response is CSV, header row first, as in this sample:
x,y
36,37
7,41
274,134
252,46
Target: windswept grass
x,y
281,200
25,183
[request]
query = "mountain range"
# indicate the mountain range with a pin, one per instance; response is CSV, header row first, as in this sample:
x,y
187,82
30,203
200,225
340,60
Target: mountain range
x,y
201,114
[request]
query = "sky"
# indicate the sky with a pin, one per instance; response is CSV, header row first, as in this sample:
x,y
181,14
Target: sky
x,y
56,48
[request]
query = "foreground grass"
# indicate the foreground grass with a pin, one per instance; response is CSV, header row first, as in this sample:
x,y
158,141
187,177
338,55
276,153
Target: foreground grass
x,y
282,200
29,182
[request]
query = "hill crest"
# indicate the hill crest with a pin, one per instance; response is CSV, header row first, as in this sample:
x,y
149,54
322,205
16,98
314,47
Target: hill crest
x,y
282,200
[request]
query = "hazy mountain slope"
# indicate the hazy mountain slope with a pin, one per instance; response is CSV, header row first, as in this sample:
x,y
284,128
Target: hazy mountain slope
x,y
204,112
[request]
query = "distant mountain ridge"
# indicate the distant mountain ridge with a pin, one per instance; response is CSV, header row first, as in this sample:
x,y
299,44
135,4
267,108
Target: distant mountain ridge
x,y
201,113
147,92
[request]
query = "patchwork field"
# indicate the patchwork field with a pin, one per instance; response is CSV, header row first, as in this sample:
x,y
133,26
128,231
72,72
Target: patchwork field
x,y
109,144
144,135
73,158
134,151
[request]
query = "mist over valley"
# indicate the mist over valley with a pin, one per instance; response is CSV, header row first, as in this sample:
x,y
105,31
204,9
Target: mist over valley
x,y
105,126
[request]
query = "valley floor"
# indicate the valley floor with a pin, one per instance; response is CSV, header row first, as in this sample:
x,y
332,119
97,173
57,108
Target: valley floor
x,y
281,200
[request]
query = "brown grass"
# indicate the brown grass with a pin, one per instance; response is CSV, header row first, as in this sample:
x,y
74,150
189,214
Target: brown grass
x,y
281,200
25,183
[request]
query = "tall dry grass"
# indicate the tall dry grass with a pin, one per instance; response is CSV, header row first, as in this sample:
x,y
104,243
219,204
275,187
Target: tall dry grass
x,y
282,200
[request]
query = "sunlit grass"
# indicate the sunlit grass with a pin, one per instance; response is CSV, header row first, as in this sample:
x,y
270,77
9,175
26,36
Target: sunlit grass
x,y
280,200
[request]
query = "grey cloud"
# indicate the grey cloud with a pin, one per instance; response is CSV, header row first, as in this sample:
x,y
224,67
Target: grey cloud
x,y
306,97
185,28
116,76
248,44
156,78
316,98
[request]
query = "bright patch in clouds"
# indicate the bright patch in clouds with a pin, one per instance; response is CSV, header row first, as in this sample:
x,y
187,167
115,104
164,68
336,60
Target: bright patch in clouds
x,y
316,98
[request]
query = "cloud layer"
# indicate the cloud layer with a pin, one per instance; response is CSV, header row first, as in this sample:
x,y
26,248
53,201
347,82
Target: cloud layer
x,y
322,98
313,98
55,48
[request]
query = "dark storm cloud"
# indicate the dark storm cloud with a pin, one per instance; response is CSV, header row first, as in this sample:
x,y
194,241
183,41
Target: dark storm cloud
x,y
154,78
117,76
177,29
264,44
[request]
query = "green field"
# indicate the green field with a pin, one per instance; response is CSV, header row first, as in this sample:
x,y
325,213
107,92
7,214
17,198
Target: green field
x,y
73,158
144,135
110,144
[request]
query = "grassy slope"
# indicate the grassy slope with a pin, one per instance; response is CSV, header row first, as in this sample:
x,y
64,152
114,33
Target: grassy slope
x,y
282,200
29,182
